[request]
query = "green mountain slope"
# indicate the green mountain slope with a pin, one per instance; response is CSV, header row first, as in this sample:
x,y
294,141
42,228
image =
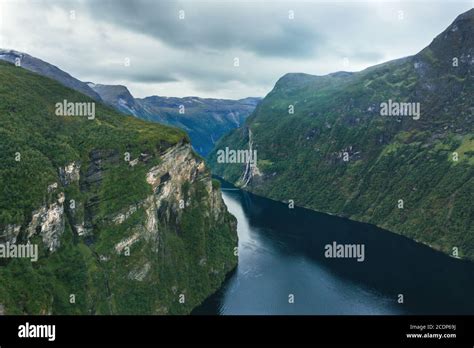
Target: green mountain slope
x,y
125,215
337,153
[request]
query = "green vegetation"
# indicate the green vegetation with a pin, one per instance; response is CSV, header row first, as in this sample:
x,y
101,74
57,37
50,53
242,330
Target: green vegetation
x,y
189,253
300,155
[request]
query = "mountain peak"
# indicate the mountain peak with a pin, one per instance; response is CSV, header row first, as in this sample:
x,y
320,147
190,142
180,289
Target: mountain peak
x,y
117,96
457,40
466,15
12,53
116,89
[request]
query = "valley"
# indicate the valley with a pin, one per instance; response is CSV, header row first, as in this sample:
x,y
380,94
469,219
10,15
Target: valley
x,y
345,193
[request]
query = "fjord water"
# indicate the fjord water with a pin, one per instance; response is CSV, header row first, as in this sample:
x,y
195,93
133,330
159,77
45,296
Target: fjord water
x,y
281,252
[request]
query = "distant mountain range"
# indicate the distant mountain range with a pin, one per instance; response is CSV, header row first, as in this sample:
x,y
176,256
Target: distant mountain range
x,y
204,119
392,145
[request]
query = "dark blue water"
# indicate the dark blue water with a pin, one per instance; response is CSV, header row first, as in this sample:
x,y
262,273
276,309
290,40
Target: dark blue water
x,y
281,252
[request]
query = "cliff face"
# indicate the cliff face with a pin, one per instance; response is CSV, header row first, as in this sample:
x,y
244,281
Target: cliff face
x,y
125,215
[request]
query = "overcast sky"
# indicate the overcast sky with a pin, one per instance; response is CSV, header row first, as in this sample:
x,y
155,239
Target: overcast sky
x,y
195,55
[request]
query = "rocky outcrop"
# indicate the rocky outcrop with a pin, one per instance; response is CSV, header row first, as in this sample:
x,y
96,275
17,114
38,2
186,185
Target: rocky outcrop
x,y
140,273
10,234
179,165
70,173
127,243
178,168
121,217
48,222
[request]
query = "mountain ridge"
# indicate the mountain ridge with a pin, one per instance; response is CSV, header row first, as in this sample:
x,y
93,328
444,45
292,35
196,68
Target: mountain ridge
x,y
215,116
337,154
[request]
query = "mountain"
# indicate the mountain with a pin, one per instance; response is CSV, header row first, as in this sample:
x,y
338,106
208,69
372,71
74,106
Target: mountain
x,y
125,215
45,69
392,145
117,96
204,119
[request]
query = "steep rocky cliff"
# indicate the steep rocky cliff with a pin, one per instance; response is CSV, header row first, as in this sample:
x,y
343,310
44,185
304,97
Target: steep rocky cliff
x,y
126,216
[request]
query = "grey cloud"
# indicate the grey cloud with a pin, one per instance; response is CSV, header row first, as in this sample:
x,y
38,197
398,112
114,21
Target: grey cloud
x,y
365,56
289,42
210,25
369,55
137,75
194,56
153,78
